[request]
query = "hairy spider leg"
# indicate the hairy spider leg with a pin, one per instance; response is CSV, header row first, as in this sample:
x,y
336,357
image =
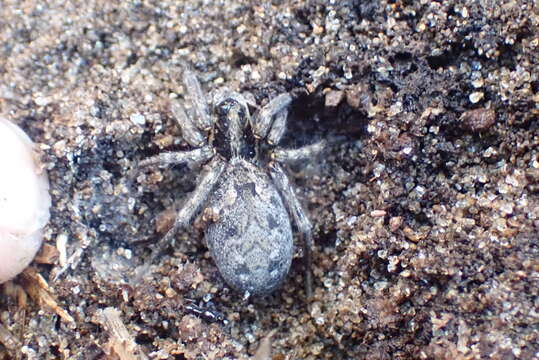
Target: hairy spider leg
x,y
196,104
300,219
211,173
278,128
291,156
190,131
189,158
263,119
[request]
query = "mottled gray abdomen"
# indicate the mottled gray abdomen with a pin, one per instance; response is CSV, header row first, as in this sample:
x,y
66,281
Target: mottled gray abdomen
x,y
251,239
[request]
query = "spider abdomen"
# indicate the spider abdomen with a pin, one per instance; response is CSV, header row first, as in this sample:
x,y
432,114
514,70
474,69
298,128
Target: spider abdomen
x,y
251,237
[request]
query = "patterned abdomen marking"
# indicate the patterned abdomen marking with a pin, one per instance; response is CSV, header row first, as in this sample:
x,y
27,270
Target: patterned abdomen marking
x,y
251,240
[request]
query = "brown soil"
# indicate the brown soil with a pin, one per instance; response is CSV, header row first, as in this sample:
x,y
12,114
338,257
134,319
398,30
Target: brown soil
x,y
425,204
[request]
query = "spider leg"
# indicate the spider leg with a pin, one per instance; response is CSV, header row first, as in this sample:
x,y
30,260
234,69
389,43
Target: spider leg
x,y
295,155
278,127
212,172
192,115
300,218
195,156
190,131
265,117
197,101
189,158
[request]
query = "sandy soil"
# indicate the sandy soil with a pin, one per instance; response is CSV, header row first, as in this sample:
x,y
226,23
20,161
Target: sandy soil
x,y
425,205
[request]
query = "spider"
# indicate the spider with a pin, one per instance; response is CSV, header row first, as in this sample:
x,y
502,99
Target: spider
x,y
248,199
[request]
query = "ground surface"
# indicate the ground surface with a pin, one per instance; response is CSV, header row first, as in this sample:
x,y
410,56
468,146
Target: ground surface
x,y
425,204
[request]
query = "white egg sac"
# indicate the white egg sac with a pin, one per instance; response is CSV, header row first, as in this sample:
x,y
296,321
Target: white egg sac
x,y
24,201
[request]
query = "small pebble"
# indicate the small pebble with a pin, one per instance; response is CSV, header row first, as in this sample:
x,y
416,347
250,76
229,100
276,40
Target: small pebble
x,y
478,119
138,119
334,98
475,97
